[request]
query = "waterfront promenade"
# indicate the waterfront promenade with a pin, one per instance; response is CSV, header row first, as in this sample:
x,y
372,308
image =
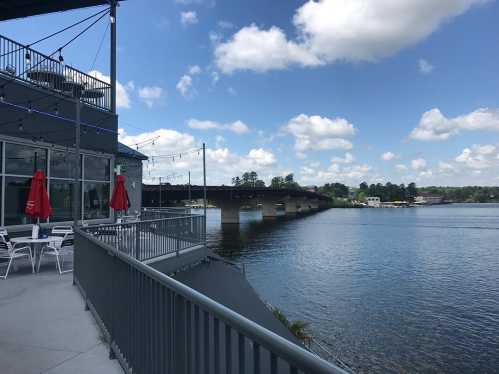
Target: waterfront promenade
x,y
45,329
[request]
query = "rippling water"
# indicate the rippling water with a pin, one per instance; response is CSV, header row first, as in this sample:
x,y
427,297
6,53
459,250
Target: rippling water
x,y
388,290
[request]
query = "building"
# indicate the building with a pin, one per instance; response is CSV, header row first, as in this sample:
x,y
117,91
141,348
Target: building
x,y
373,202
427,198
41,100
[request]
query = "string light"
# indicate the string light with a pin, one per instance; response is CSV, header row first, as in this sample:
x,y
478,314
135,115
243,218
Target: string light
x,y
61,59
28,58
2,94
56,109
21,127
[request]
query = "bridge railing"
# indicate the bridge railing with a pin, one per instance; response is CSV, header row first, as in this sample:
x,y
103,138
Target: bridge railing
x,y
155,324
153,237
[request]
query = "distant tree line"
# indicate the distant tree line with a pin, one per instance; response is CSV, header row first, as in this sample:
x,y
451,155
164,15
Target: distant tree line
x,y
248,179
468,194
388,191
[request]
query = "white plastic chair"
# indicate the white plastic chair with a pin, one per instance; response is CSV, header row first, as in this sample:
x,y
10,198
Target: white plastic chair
x,y
59,251
12,252
62,231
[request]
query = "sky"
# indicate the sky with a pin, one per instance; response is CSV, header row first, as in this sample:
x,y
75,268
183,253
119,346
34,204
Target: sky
x,y
330,90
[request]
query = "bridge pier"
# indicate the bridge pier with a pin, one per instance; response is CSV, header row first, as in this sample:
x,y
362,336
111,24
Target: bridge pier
x,y
268,209
290,207
304,206
229,211
314,204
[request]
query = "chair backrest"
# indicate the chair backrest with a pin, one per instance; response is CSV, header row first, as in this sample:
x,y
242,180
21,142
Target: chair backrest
x,y
61,230
68,241
5,248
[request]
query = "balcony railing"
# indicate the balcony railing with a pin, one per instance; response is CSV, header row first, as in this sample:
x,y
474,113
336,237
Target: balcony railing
x,y
154,236
50,74
155,324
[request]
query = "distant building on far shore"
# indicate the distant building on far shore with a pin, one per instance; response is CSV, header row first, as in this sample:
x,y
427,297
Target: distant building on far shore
x,y
427,198
373,202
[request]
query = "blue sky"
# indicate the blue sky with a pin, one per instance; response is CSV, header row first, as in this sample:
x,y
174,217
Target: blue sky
x,y
331,90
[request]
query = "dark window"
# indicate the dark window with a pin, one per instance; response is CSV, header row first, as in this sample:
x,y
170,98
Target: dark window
x,y
24,160
62,164
61,200
96,200
16,194
97,168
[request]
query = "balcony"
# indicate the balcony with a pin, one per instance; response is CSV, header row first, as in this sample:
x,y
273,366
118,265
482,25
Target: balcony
x,y
156,324
19,63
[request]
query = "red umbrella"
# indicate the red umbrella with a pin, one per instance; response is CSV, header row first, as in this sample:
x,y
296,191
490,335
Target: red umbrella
x,y
38,204
119,200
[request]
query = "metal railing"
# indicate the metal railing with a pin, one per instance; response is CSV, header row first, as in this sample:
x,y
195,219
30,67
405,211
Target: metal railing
x,y
156,213
155,324
50,74
147,239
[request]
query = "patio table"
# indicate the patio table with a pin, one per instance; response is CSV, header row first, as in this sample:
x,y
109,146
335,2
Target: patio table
x,y
36,244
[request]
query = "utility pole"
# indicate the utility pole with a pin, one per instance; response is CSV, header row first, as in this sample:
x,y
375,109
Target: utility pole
x,y
204,190
160,192
76,186
189,186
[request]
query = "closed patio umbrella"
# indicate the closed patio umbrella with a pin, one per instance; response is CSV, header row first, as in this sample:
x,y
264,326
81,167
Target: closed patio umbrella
x,y
119,200
38,204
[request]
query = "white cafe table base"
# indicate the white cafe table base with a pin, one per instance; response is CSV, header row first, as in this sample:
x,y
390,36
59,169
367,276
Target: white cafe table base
x,y
36,244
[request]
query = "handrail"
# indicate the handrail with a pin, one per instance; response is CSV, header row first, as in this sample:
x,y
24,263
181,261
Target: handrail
x,y
296,356
13,53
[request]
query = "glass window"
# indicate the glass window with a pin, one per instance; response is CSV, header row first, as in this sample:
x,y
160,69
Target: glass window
x,y
95,200
97,168
16,194
61,200
62,164
24,160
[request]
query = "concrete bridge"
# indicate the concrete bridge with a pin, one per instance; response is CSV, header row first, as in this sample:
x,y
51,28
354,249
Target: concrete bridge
x,y
231,199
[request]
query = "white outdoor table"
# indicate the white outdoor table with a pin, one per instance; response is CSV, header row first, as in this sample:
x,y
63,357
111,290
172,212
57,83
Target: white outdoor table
x,y
36,244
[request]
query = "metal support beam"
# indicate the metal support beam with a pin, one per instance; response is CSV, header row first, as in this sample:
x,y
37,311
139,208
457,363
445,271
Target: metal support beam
x,y
113,55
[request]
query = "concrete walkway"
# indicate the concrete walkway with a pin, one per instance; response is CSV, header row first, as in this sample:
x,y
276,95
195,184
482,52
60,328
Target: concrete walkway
x,y
45,329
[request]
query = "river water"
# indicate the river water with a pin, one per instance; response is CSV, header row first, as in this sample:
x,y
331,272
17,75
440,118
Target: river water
x,y
388,290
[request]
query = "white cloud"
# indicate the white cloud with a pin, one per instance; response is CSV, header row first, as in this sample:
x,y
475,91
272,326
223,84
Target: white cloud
x,y
433,125
479,156
260,50
425,67
319,133
338,30
262,157
184,86
237,127
122,92
388,156
150,94
222,163
446,168
401,168
189,17
348,174
194,70
215,77
418,164
348,159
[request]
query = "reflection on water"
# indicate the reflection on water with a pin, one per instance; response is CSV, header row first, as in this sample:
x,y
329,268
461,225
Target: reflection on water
x,y
388,290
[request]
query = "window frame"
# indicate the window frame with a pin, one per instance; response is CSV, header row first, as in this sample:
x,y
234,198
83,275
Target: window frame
x,y
49,148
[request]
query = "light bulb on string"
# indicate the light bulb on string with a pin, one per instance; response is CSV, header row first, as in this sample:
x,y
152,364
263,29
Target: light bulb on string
x,y
30,109
27,56
2,94
20,127
61,58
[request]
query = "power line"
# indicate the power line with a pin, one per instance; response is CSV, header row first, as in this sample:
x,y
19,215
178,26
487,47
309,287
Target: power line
x,y
100,46
55,33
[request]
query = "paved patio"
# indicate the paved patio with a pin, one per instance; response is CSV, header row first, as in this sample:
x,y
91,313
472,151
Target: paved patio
x,y
45,329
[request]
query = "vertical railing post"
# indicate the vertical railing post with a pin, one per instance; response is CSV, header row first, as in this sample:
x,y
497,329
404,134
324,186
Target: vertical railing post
x,y
179,345
137,240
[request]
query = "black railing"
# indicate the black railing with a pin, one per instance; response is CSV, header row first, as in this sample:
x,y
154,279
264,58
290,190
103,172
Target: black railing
x,y
151,238
155,324
157,213
21,63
